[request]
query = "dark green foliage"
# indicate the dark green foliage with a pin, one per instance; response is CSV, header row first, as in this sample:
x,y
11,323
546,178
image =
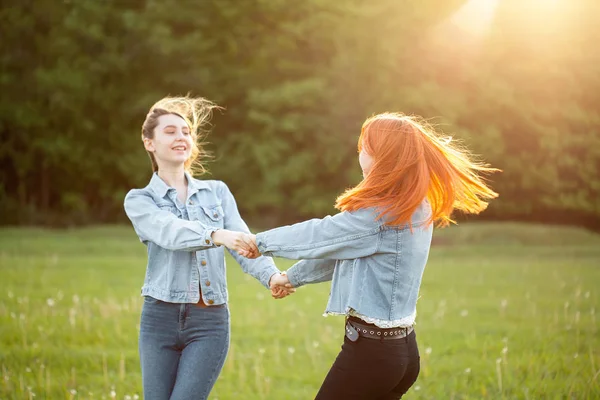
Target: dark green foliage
x,y
77,78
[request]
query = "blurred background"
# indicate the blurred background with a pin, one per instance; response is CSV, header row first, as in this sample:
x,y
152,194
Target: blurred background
x,y
517,81
509,302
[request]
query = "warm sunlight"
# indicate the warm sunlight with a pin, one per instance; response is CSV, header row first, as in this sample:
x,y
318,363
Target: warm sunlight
x,y
476,17
544,14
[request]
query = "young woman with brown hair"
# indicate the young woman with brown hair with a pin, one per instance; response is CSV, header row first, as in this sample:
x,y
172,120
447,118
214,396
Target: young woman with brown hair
x,y
186,223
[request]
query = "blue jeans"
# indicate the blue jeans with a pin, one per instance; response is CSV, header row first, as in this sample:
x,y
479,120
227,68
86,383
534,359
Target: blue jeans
x,y
182,349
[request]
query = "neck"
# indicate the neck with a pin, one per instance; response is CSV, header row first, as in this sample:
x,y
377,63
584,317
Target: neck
x,y
174,177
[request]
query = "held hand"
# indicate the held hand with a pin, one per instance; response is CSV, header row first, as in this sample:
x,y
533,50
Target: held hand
x,y
251,241
240,242
280,286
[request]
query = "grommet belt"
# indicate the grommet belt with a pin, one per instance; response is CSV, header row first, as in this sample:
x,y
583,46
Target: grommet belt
x,y
354,329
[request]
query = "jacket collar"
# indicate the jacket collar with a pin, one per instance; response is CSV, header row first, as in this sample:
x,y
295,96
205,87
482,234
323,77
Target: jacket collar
x,y
159,186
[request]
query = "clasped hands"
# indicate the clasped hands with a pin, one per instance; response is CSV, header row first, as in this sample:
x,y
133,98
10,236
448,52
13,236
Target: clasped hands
x,y
245,245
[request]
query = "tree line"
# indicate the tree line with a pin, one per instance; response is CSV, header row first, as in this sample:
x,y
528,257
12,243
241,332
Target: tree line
x,y
296,81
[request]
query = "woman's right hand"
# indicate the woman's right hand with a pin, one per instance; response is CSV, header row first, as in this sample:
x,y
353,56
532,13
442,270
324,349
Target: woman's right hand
x,y
280,286
239,242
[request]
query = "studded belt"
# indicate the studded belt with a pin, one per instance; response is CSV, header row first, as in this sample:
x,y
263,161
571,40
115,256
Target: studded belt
x,y
355,329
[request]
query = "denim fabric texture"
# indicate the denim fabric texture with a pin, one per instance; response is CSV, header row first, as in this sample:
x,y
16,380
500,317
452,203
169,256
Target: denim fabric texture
x,y
182,259
376,269
182,349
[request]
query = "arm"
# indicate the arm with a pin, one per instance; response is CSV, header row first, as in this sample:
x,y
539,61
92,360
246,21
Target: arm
x,y
163,228
346,235
311,271
261,268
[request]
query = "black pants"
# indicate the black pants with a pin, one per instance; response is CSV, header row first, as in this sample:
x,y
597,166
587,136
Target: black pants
x,y
370,369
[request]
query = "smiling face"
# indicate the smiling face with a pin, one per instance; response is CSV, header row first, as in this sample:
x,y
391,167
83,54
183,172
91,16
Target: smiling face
x,y
172,141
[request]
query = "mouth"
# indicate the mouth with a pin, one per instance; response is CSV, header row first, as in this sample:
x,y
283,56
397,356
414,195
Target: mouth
x,y
179,148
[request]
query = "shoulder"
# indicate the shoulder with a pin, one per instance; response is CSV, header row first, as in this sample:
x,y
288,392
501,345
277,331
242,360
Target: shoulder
x,y
219,188
363,217
367,214
213,192
136,193
135,196
423,213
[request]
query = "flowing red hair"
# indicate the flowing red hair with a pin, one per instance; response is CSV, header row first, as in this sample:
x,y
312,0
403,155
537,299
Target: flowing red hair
x,y
412,162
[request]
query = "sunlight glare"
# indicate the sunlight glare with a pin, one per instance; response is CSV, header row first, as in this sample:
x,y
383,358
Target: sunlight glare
x,y
475,17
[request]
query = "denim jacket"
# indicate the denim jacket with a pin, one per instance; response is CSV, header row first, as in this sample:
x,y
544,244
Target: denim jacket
x,y
375,269
181,255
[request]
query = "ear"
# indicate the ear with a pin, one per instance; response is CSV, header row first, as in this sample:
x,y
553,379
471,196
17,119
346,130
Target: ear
x,y
149,145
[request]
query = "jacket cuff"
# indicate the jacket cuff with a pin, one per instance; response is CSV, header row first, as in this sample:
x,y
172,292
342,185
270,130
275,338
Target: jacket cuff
x,y
294,277
207,239
261,243
267,274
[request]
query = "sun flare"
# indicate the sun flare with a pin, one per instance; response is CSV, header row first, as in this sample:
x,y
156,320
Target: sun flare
x,y
476,17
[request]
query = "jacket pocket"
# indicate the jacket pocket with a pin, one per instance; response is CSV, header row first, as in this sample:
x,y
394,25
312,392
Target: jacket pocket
x,y
214,214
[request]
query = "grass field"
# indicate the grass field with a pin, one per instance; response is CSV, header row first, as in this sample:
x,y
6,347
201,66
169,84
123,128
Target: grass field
x,y
507,311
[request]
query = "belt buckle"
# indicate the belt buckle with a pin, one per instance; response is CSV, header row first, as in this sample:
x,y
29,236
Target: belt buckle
x,y
351,332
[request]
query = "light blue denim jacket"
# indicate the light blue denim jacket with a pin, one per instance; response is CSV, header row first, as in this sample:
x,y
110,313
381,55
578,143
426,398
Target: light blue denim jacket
x,y
181,255
376,269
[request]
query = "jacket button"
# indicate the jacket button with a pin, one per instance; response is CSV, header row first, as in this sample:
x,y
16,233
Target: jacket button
x,y
207,241
207,283
211,302
203,262
215,215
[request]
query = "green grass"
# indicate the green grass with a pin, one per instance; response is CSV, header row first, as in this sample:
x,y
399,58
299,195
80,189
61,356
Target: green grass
x,y
507,311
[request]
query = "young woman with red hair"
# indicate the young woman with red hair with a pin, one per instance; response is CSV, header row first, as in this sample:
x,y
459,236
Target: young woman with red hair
x,y
375,250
